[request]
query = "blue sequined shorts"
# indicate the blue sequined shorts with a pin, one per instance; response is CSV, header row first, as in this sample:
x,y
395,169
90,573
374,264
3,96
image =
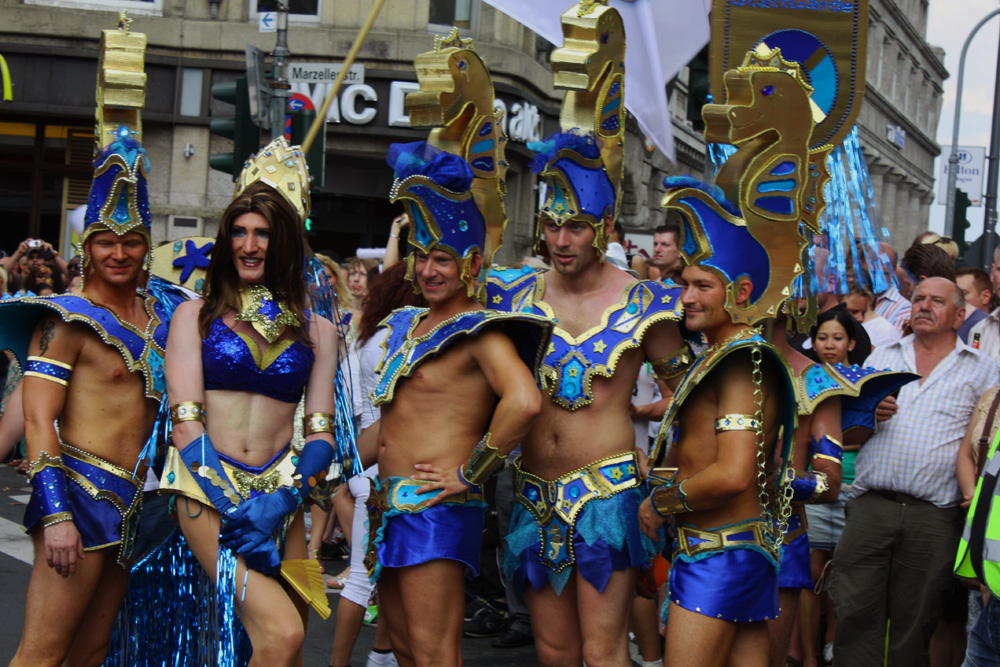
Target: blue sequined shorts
x,y
105,501
403,531
737,581
587,518
796,570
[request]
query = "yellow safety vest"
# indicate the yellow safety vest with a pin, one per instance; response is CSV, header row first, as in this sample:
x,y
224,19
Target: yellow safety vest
x,y
979,549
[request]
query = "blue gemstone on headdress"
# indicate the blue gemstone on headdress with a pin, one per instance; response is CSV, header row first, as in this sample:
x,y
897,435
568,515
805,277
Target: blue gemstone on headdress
x,y
121,214
485,129
767,90
463,225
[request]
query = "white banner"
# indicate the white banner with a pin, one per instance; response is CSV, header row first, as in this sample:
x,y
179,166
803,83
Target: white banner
x,y
661,36
971,167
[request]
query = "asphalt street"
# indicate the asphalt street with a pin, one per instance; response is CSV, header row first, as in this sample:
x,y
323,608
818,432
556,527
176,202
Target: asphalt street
x,y
15,569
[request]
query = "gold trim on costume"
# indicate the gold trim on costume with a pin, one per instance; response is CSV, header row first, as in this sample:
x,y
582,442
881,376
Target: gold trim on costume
x,y
672,365
188,411
51,361
53,519
45,460
177,478
670,499
318,422
47,376
736,422
391,492
718,538
798,510
484,460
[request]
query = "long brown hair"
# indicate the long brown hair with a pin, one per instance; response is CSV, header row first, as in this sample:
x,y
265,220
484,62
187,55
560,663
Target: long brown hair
x,y
386,292
283,261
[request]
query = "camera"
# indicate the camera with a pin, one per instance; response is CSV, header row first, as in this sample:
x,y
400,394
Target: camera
x,y
34,243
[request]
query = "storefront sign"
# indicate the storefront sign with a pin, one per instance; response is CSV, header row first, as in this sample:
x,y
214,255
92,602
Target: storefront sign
x,y
379,101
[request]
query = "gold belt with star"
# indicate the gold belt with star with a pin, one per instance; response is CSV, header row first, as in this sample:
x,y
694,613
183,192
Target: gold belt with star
x,y
556,504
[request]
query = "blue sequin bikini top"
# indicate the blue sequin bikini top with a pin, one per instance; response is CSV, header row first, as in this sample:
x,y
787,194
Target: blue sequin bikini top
x,y
234,362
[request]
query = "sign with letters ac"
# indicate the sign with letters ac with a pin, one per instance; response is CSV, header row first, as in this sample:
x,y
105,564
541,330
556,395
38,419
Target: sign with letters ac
x,y
828,38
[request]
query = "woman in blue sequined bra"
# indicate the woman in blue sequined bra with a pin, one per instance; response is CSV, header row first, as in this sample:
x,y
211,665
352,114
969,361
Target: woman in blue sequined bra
x,y
240,360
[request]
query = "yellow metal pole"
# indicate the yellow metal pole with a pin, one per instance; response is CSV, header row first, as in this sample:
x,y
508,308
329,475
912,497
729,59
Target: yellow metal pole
x,y
348,61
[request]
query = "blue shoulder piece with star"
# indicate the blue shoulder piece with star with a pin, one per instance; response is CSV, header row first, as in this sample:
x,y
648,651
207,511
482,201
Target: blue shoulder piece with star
x,y
142,351
403,352
867,387
571,363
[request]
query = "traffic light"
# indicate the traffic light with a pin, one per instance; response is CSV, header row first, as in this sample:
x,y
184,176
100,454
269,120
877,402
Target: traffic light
x,y
239,127
699,91
302,120
960,221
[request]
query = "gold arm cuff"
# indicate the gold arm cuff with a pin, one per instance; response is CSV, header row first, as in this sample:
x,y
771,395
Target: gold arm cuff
x,y
670,499
318,422
672,365
736,422
58,517
45,460
484,460
188,411
822,485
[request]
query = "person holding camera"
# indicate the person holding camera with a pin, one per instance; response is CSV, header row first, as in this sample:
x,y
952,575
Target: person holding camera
x,y
43,263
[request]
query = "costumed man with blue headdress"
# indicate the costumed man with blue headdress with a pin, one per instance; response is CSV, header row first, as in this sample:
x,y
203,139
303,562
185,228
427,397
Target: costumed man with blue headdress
x,y
93,380
728,496
574,545
457,385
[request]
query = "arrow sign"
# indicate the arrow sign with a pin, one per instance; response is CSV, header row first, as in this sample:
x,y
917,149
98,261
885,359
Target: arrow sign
x,y
269,21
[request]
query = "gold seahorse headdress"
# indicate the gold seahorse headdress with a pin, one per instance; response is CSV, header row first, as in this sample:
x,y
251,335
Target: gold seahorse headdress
x,y
583,164
748,223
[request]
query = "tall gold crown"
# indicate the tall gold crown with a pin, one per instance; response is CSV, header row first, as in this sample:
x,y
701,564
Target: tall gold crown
x,y
284,168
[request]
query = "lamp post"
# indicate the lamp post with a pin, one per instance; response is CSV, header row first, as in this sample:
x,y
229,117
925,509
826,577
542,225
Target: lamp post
x,y
949,211
279,85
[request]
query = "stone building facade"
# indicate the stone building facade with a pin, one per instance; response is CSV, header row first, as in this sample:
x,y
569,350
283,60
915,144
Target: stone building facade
x,y
46,133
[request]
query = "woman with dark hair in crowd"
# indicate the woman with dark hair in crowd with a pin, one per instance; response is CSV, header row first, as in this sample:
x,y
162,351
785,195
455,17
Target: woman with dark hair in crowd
x,y
391,291
237,364
833,339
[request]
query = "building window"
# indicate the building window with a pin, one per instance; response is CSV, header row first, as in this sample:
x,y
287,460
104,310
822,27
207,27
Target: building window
x,y
136,7
456,13
297,9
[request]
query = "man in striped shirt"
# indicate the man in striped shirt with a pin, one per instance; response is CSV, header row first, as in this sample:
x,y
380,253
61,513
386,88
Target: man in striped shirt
x,y
890,304
896,553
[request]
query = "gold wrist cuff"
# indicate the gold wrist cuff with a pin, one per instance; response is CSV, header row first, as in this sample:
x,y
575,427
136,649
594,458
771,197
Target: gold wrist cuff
x,y
188,411
318,422
58,517
672,365
822,485
45,460
670,499
736,422
484,460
